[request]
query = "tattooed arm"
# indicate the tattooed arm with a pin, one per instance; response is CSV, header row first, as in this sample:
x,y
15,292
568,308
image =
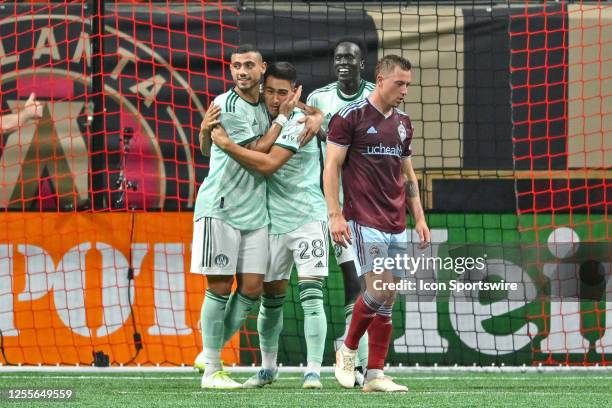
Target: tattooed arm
x,y
413,201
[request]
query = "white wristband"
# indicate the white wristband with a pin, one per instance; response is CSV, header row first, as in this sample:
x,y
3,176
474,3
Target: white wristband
x,y
281,120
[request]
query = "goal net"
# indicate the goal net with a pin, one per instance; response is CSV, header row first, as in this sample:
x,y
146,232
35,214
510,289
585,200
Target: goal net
x,y
512,149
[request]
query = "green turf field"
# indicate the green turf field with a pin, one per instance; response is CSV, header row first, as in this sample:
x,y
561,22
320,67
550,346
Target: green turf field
x,y
181,389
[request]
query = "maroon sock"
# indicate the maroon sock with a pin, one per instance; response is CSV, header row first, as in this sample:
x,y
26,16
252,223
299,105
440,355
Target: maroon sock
x,y
362,317
379,336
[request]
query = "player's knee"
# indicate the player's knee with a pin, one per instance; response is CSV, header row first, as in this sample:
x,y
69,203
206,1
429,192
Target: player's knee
x,y
250,284
221,287
352,285
351,291
275,288
390,298
384,296
252,291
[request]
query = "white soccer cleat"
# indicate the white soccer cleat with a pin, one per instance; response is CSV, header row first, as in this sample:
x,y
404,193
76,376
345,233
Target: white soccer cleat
x,y
198,363
383,384
312,381
345,366
265,376
219,381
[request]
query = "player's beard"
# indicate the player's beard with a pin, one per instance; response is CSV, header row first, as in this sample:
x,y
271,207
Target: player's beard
x,y
248,84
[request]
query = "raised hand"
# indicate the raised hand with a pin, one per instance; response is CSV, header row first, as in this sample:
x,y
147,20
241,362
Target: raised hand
x,y
32,109
290,103
211,118
312,125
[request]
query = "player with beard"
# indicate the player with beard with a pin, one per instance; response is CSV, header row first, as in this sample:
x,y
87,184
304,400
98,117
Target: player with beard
x,y
298,228
230,218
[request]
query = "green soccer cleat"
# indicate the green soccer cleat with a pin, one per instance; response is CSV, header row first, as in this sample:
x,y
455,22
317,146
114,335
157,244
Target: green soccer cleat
x,y
265,376
312,381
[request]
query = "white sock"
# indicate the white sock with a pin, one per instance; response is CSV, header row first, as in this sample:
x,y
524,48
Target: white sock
x,y
372,374
212,360
313,368
268,359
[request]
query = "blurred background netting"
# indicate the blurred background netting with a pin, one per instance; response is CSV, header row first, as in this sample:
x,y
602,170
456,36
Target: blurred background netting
x,y
510,103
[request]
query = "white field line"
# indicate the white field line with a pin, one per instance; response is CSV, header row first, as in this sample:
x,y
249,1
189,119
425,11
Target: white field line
x,y
283,377
287,369
336,392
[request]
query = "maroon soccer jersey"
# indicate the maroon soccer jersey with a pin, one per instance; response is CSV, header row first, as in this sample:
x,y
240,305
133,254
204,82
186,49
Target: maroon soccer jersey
x,y
372,177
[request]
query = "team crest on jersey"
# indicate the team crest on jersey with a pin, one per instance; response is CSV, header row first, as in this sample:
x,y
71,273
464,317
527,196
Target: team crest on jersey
x,y
338,250
221,260
401,130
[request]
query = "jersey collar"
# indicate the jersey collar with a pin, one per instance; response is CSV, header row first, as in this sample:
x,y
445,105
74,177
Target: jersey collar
x,y
250,103
378,110
354,97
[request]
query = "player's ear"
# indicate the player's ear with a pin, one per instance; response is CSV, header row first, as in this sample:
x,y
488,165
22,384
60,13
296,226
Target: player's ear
x,y
362,64
264,66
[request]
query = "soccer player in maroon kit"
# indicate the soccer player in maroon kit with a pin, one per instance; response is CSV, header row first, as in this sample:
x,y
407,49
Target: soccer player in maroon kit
x,y
369,141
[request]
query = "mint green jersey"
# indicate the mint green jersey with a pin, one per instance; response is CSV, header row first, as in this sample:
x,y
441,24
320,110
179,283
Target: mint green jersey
x,y
233,193
330,100
294,190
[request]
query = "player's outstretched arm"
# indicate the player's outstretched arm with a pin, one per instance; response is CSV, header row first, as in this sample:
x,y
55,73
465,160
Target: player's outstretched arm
x,y
265,143
31,110
413,201
264,163
339,229
211,119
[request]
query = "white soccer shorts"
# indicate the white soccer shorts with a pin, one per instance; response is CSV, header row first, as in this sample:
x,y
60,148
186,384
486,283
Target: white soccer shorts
x,y
307,247
220,249
370,244
343,254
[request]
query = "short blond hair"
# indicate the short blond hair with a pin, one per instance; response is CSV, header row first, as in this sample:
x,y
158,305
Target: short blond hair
x,y
388,62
